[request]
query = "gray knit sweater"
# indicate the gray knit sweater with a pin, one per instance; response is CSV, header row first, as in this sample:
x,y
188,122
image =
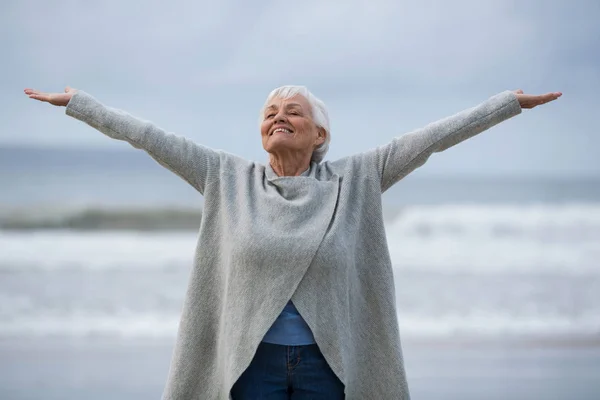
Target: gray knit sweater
x,y
318,239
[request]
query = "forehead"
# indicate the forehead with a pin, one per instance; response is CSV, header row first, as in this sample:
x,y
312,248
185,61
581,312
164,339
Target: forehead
x,y
295,101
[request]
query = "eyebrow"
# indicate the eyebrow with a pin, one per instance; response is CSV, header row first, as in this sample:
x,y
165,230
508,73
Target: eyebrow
x,y
288,106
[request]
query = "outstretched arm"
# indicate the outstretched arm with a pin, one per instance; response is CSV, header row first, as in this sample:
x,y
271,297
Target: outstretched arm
x,y
196,164
406,153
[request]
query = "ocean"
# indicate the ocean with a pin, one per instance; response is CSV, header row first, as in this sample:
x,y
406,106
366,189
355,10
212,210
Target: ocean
x,y
98,245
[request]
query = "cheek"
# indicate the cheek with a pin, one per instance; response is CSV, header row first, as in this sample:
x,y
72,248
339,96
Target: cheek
x,y
300,125
264,128
306,129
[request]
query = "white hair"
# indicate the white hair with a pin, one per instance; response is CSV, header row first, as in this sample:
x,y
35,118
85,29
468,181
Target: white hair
x,y
317,108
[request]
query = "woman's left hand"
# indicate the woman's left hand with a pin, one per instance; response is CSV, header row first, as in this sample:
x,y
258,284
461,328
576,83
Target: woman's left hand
x,y
531,100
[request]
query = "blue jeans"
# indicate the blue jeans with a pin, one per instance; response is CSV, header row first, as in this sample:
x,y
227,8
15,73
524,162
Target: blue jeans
x,y
279,372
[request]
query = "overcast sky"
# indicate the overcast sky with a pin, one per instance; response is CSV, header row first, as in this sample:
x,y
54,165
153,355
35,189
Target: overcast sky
x,y
203,69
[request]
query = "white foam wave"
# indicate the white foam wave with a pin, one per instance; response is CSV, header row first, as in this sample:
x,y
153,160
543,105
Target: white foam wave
x,y
493,238
443,238
82,325
487,324
146,325
59,250
543,221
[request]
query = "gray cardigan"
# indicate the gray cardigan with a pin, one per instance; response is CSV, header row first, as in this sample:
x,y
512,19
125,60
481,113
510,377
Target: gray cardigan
x,y
318,239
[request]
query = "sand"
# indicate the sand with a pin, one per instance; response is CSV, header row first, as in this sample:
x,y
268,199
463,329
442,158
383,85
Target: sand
x,y
450,369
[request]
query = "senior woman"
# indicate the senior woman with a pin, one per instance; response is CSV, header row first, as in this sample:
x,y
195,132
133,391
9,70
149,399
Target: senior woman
x,y
291,295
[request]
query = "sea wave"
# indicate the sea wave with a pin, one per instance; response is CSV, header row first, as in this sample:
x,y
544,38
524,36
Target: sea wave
x,y
468,238
547,221
576,221
152,325
483,270
101,219
95,251
491,238
126,325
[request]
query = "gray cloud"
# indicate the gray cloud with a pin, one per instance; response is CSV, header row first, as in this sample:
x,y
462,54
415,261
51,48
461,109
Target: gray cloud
x,y
202,69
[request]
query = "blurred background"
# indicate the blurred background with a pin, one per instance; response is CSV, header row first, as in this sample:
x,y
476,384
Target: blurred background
x,y
495,242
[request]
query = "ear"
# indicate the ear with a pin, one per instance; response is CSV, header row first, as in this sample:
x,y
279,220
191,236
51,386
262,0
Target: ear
x,y
321,136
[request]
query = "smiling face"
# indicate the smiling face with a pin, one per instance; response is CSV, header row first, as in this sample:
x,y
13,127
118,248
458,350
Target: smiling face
x,y
288,126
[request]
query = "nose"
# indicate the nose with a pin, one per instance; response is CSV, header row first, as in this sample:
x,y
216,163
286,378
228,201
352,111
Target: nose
x,y
279,117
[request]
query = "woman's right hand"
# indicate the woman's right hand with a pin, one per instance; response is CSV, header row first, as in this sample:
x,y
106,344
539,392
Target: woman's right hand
x,y
57,99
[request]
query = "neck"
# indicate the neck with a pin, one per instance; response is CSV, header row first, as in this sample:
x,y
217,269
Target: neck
x,y
291,164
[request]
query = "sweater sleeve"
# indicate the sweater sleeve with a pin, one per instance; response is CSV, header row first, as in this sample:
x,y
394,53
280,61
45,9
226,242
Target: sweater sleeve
x,y
194,163
406,153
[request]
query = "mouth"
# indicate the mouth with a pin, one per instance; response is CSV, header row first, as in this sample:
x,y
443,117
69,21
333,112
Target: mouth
x,y
280,130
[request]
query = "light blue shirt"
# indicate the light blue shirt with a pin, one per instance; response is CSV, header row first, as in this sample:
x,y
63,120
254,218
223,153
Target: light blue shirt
x,y
290,329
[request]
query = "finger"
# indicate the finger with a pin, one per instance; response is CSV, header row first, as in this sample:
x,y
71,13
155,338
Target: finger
x,y
541,100
544,98
519,91
550,96
40,97
37,92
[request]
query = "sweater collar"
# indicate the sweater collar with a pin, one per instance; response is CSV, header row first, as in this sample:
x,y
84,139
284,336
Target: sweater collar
x,y
271,175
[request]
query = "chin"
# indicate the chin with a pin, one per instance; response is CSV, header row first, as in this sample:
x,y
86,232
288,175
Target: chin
x,y
279,144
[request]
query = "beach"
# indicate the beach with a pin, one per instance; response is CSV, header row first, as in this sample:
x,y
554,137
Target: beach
x,y
497,281
137,369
